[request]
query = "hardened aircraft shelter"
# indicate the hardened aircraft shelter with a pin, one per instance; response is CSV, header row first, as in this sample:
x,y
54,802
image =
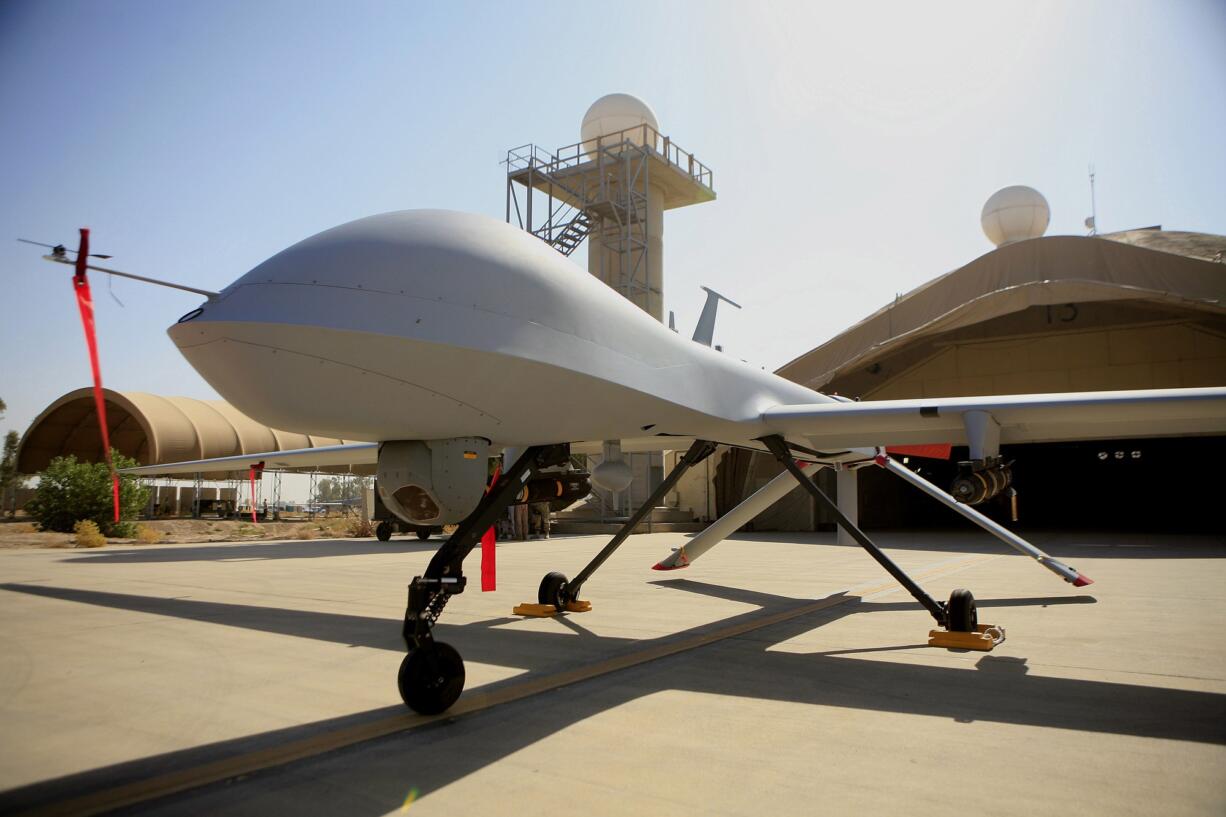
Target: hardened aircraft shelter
x,y
151,428
1140,309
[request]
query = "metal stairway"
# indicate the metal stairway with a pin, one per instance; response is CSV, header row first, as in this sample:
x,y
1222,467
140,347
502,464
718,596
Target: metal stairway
x,y
568,239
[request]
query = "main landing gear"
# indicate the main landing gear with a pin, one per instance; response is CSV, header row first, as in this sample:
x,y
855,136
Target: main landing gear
x,y
558,592
431,676
958,617
961,615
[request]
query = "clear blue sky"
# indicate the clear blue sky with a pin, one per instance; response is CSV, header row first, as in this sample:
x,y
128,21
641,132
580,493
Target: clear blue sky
x,y
853,144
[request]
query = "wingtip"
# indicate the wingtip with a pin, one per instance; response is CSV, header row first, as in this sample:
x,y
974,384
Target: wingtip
x,y
1082,580
662,566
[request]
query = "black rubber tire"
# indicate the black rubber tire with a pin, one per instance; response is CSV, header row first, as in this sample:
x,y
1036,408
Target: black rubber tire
x,y
383,531
423,533
431,678
553,590
963,617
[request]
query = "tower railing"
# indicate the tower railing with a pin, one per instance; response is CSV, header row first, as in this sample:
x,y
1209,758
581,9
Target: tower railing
x,y
580,153
599,190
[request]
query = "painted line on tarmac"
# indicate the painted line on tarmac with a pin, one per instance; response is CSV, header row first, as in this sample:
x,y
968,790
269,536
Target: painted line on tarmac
x,y
163,785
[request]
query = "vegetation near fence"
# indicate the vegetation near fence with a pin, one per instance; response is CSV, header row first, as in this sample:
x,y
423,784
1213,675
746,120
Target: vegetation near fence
x,y
8,466
8,461
360,528
88,535
70,491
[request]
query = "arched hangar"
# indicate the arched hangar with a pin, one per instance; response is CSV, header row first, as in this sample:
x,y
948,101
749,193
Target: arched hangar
x,y
1139,309
154,429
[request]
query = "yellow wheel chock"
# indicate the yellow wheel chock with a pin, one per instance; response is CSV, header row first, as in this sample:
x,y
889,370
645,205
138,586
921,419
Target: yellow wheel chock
x,y
547,610
535,610
983,638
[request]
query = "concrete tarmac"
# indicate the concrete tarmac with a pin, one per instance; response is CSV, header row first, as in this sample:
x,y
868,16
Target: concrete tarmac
x,y
252,678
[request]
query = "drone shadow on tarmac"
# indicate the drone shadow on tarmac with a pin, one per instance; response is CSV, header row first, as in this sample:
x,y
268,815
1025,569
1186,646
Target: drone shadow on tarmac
x,y
373,777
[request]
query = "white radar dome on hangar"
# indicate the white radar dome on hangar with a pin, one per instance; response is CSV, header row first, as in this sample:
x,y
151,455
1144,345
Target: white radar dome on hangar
x,y
1015,213
613,113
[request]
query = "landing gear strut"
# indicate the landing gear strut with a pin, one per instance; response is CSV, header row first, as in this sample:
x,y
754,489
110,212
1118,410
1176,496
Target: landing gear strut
x,y
556,590
432,674
939,610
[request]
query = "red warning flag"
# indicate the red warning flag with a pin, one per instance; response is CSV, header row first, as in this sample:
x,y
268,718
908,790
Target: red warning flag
x,y
257,469
937,451
85,303
489,542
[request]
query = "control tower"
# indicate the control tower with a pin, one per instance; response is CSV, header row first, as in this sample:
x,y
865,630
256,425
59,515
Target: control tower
x,y
613,187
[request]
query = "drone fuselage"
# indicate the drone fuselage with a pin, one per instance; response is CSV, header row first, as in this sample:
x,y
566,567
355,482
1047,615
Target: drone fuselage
x,y
436,325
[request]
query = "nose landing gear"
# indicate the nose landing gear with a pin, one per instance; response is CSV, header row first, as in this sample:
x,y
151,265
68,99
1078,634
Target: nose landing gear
x,y
431,676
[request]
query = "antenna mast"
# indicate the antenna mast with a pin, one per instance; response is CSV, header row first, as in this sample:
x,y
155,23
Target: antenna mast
x,y
1092,221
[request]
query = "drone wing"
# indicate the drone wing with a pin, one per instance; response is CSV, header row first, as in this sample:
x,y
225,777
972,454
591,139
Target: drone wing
x,y
1021,418
330,456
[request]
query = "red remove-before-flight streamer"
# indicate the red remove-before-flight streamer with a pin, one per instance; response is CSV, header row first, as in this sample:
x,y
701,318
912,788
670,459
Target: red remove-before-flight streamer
x,y
489,544
85,303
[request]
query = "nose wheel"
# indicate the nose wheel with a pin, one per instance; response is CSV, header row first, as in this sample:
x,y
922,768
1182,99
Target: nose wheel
x,y
431,677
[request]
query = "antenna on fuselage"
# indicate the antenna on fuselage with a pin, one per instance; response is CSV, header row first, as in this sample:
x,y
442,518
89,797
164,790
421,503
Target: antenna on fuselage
x,y
59,254
704,333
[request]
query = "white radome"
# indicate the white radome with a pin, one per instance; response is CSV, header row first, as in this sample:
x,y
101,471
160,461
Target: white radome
x,y
616,112
1015,213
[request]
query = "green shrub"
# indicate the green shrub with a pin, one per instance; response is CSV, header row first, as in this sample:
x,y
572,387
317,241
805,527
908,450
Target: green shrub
x,y
123,529
70,491
88,535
